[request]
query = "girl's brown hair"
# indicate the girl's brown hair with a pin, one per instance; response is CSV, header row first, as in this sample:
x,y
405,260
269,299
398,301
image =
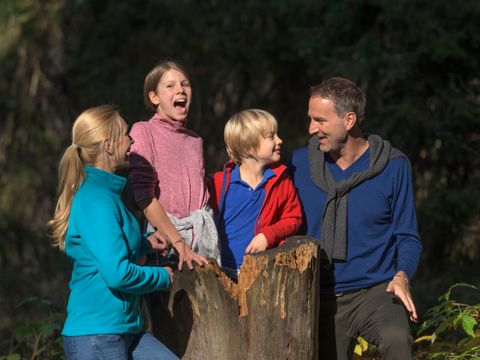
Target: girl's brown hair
x,y
155,75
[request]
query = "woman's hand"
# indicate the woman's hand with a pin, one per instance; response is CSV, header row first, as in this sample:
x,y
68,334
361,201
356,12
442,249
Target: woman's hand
x,y
170,273
186,254
258,243
400,288
159,242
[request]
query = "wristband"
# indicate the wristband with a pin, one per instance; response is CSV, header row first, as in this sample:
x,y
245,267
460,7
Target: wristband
x,y
178,241
402,276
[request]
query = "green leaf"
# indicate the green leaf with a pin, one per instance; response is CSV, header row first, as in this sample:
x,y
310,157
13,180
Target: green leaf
x,y
456,321
361,346
35,300
468,323
11,357
40,350
22,331
469,343
448,293
444,325
28,300
423,338
47,329
45,302
440,356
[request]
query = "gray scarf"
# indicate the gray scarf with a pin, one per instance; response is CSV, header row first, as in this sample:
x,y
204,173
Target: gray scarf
x,y
334,221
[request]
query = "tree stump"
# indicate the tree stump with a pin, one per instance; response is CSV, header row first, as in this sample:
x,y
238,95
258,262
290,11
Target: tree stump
x,y
271,313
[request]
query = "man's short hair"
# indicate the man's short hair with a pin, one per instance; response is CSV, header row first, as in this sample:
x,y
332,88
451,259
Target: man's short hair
x,y
244,130
345,95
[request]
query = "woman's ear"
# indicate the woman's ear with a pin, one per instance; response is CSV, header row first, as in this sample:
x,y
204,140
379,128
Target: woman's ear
x,y
107,146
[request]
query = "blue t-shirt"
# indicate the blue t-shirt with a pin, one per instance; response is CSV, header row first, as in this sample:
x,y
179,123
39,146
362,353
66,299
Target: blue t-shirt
x,y
382,236
242,205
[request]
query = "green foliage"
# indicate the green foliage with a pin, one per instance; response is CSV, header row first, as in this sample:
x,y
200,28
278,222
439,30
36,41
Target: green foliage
x,y
452,328
38,339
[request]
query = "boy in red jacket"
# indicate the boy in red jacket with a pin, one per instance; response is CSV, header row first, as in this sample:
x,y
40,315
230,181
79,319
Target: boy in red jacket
x,y
255,203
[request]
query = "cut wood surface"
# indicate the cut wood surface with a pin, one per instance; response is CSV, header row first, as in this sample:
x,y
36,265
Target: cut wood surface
x,y
272,313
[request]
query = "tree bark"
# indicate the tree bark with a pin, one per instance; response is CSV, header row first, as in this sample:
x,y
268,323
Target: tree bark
x,y
271,313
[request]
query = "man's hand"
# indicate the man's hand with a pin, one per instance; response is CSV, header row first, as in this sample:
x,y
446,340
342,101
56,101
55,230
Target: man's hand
x,y
400,288
258,243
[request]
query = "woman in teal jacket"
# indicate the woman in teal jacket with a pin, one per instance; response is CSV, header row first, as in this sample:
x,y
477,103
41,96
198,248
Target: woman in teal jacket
x,y
102,241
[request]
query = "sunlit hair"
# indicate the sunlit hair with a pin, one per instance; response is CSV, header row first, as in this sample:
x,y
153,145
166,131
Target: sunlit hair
x,y
89,130
345,94
244,131
155,75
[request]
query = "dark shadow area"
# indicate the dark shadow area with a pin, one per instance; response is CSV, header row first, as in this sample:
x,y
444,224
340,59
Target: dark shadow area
x,y
179,323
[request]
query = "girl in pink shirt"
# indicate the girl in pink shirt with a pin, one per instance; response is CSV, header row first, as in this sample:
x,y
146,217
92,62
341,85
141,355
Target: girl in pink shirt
x,y
167,171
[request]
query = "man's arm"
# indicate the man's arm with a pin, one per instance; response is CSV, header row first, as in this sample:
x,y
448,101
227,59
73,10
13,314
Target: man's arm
x,y
407,239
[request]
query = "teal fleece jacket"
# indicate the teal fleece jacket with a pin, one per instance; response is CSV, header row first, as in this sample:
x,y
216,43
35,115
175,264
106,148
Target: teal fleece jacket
x,y
103,243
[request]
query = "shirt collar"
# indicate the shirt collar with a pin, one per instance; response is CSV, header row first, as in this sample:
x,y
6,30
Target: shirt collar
x,y
235,175
114,182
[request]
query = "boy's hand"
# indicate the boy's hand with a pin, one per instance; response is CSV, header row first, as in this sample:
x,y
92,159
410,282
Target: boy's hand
x,y
258,243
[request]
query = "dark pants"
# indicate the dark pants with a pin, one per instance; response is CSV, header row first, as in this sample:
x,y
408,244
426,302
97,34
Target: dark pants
x,y
375,315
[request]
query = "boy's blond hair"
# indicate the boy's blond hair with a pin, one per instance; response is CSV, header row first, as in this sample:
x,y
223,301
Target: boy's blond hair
x,y
244,130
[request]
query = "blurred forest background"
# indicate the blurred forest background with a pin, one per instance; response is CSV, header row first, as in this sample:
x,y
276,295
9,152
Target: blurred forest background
x,y
417,60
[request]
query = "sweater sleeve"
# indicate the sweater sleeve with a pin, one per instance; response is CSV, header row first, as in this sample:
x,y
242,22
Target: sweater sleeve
x,y
404,221
103,239
142,174
289,218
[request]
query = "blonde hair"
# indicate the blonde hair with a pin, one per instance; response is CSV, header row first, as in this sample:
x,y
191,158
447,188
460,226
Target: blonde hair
x,y
89,130
155,75
244,130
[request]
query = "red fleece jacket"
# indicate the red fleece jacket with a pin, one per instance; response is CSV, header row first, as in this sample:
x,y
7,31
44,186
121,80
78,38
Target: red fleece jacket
x,y
281,213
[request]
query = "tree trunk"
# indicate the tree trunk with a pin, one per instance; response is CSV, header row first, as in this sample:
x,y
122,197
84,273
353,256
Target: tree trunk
x,y
272,313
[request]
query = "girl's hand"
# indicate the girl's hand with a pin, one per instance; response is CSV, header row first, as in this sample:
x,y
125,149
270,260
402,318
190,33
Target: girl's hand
x,y
186,254
258,243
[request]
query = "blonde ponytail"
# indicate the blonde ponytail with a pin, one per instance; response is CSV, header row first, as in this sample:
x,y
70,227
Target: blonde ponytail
x,y
70,176
89,130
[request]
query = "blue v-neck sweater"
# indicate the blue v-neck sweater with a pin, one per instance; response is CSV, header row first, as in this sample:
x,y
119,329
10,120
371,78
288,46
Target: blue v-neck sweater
x,y
103,243
382,236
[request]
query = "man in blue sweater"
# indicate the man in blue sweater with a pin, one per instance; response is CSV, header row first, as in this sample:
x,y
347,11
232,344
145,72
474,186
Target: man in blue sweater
x,y
357,197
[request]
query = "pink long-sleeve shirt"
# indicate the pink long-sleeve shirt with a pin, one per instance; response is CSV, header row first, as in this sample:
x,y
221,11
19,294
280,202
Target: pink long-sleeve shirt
x,y
166,162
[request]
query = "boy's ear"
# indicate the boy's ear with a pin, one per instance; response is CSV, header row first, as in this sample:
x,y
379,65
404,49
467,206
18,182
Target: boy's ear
x,y
251,153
